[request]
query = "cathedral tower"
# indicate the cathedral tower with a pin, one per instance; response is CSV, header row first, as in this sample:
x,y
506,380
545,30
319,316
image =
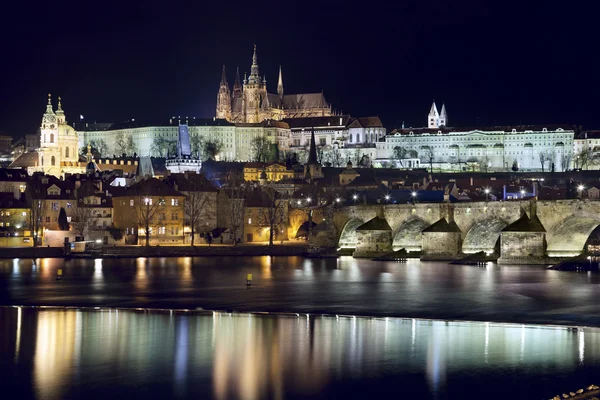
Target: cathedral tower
x,y
280,85
254,92
49,151
224,98
443,116
237,86
433,119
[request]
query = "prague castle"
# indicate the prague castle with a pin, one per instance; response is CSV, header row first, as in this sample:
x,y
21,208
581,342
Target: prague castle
x,y
251,103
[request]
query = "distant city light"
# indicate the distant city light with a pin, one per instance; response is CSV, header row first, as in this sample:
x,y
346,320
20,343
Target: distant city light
x,y
308,199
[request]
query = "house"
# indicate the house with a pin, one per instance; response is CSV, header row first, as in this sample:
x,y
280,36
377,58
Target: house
x,y
14,222
149,212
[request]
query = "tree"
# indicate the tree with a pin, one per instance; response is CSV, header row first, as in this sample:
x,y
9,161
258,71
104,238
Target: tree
x,y
98,147
544,157
515,166
274,214
261,149
130,147
83,219
194,207
236,197
115,233
147,208
211,149
583,158
365,161
63,223
428,156
565,159
335,157
400,154
196,144
163,146
120,143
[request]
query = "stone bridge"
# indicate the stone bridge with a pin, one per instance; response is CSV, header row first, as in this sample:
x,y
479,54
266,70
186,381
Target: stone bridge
x,y
567,223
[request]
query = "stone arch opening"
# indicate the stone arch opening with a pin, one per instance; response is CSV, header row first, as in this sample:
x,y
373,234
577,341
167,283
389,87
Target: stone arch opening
x,y
52,160
484,235
408,235
348,235
568,237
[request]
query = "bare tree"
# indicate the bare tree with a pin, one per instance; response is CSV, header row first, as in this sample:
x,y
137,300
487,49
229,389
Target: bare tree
x,y
163,146
195,208
428,156
274,214
583,158
336,157
261,149
130,147
236,197
211,148
565,159
120,144
400,154
147,209
544,156
83,219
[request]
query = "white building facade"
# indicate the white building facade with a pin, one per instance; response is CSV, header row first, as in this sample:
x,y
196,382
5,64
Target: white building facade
x,y
487,149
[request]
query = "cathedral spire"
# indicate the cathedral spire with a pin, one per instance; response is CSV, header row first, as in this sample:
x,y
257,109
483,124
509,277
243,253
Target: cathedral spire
x,y
312,153
223,76
433,119
443,116
254,75
237,86
280,84
60,114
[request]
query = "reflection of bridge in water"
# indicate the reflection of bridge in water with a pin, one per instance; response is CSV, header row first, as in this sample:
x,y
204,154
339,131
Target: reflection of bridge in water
x,y
518,231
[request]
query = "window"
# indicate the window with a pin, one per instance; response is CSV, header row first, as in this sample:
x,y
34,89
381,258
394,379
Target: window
x,y
174,202
162,230
131,202
24,213
174,216
322,141
55,205
8,224
68,204
161,202
66,152
47,219
52,141
8,213
148,201
249,221
68,219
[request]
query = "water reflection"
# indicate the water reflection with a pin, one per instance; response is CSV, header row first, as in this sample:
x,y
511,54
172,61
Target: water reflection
x,y
74,353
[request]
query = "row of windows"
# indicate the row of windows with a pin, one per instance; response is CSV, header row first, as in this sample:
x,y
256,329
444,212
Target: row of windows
x,y
161,202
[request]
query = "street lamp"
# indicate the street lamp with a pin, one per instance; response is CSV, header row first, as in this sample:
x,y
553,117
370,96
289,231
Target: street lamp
x,y
522,193
487,192
414,196
337,200
308,199
387,197
580,190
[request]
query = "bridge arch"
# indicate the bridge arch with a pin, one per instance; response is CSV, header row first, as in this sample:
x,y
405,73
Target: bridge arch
x,y
348,235
568,237
408,235
483,235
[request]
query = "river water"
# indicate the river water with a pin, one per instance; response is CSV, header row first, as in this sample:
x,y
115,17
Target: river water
x,y
100,354
528,294
117,351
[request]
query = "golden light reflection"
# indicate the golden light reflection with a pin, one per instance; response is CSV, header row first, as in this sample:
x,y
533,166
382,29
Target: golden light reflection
x,y
186,274
141,277
55,353
18,338
265,264
98,277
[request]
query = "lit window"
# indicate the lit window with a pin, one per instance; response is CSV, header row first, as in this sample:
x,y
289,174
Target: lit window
x,y
55,206
68,204
249,221
148,201
8,213
68,219
174,202
24,213
131,202
162,230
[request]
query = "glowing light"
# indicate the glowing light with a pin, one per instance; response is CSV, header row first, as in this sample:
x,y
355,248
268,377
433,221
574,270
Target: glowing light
x,y
387,196
338,200
355,197
414,194
580,187
487,191
308,199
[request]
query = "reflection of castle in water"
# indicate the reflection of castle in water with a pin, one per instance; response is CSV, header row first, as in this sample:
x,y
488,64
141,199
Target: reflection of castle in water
x,y
252,357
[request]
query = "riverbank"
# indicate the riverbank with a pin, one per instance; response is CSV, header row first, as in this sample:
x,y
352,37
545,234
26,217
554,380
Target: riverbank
x,y
249,250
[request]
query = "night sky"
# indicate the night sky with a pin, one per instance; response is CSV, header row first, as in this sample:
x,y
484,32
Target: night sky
x,y
509,63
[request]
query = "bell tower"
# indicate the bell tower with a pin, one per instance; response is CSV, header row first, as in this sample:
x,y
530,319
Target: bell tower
x,y
49,152
224,98
254,92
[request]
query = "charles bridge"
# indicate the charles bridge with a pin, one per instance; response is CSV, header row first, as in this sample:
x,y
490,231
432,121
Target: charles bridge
x,y
519,232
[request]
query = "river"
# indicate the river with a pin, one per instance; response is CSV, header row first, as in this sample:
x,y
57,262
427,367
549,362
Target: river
x,y
522,294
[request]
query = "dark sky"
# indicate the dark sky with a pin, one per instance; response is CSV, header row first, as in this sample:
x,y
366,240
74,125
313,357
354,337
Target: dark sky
x,y
508,62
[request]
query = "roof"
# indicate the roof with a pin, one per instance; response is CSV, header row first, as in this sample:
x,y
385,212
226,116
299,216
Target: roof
x,y
375,224
174,122
25,160
366,122
442,226
7,200
190,182
318,122
499,128
526,224
304,101
149,187
12,175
